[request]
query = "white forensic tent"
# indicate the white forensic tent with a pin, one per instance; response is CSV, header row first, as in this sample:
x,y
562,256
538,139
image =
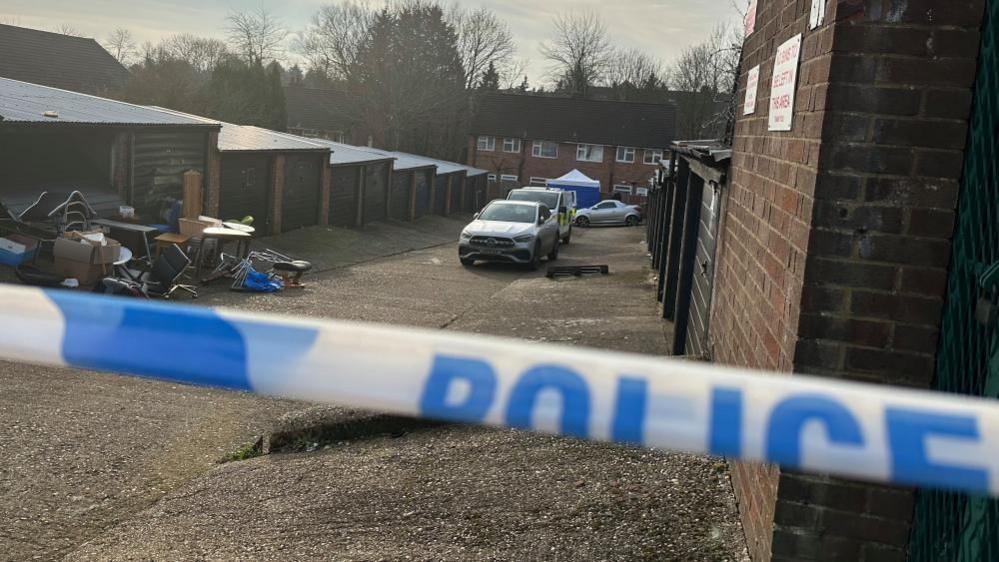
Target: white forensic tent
x,y
586,188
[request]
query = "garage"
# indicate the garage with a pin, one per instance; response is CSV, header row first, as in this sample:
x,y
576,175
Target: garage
x,y
114,153
359,182
245,189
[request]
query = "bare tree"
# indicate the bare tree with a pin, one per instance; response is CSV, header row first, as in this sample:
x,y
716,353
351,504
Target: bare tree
x,y
121,45
256,34
67,29
704,75
332,40
11,20
635,67
202,53
579,52
514,74
483,39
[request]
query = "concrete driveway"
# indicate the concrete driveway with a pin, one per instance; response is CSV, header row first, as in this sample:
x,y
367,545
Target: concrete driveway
x,y
100,467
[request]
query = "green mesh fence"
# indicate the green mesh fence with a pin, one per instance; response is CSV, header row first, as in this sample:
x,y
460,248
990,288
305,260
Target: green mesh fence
x,y
956,527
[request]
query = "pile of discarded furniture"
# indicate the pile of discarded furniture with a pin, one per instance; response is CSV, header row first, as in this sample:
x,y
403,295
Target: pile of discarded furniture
x,y
60,241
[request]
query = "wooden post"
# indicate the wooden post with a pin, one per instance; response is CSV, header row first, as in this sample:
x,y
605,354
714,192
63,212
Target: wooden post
x,y
433,193
464,195
120,168
412,195
192,206
388,191
213,170
447,200
277,193
362,179
324,194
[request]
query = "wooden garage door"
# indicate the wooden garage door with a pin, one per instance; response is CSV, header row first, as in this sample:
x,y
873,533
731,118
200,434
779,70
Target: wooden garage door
x,y
245,189
300,200
375,192
399,197
343,195
423,179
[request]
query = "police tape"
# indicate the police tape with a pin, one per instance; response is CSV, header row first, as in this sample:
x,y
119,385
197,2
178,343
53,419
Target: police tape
x,y
847,429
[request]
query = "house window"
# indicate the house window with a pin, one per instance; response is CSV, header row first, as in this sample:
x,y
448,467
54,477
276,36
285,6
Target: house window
x,y
509,178
545,149
511,145
622,188
625,155
589,153
487,144
539,181
492,177
652,157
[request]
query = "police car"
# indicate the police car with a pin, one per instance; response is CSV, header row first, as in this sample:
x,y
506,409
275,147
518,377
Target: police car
x,y
562,203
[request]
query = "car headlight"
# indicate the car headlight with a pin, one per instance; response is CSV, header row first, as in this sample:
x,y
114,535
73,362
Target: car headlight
x,y
465,236
524,238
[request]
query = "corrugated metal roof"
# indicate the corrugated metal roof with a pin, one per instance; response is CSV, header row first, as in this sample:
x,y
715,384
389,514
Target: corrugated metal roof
x,y
345,154
248,138
403,162
443,166
21,102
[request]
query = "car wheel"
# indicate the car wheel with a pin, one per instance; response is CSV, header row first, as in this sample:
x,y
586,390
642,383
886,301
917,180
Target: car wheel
x,y
536,257
467,262
632,220
554,253
583,221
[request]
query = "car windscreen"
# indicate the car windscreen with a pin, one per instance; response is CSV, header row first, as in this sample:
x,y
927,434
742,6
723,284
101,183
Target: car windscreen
x,y
549,198
509,213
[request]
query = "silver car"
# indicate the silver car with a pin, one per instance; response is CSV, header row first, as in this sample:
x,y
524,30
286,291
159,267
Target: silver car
x,y
510,231
610,212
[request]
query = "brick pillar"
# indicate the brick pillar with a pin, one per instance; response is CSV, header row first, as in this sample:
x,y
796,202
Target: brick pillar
x,y
412,194
447,199
277,192
324,194
362,180
837,238
213,176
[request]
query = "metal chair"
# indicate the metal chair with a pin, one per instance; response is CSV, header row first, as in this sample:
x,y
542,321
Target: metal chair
x,y
162,279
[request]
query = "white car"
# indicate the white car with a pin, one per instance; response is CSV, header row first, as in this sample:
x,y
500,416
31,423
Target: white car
x,y
609,212
556,200
511,231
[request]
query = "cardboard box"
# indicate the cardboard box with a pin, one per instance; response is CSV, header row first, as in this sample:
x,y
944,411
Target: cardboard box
x,y
194,227
85,273
83,251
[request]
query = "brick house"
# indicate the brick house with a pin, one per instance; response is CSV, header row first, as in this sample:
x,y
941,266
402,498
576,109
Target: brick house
x,y
850,247
528,139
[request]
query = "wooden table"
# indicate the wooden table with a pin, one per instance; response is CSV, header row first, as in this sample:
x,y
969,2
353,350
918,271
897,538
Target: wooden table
x,y
169,239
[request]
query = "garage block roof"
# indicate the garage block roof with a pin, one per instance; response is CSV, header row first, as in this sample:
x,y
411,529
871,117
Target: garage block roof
x,y
21,102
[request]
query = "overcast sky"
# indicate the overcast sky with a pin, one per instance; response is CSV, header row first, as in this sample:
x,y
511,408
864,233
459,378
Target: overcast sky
x,y
661,27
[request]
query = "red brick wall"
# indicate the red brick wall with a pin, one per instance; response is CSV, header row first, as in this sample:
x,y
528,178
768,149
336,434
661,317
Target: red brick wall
x,y
837,238
765,234
525,166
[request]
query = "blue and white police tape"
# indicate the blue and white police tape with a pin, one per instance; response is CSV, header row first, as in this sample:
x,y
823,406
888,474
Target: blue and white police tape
x,y
852,430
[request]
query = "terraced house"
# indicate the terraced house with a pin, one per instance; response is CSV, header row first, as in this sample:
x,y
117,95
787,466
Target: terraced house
x,y
529,139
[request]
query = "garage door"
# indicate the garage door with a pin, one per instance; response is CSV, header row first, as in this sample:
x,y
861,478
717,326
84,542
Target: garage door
x,y
343,195
245,189
375,192
300,201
